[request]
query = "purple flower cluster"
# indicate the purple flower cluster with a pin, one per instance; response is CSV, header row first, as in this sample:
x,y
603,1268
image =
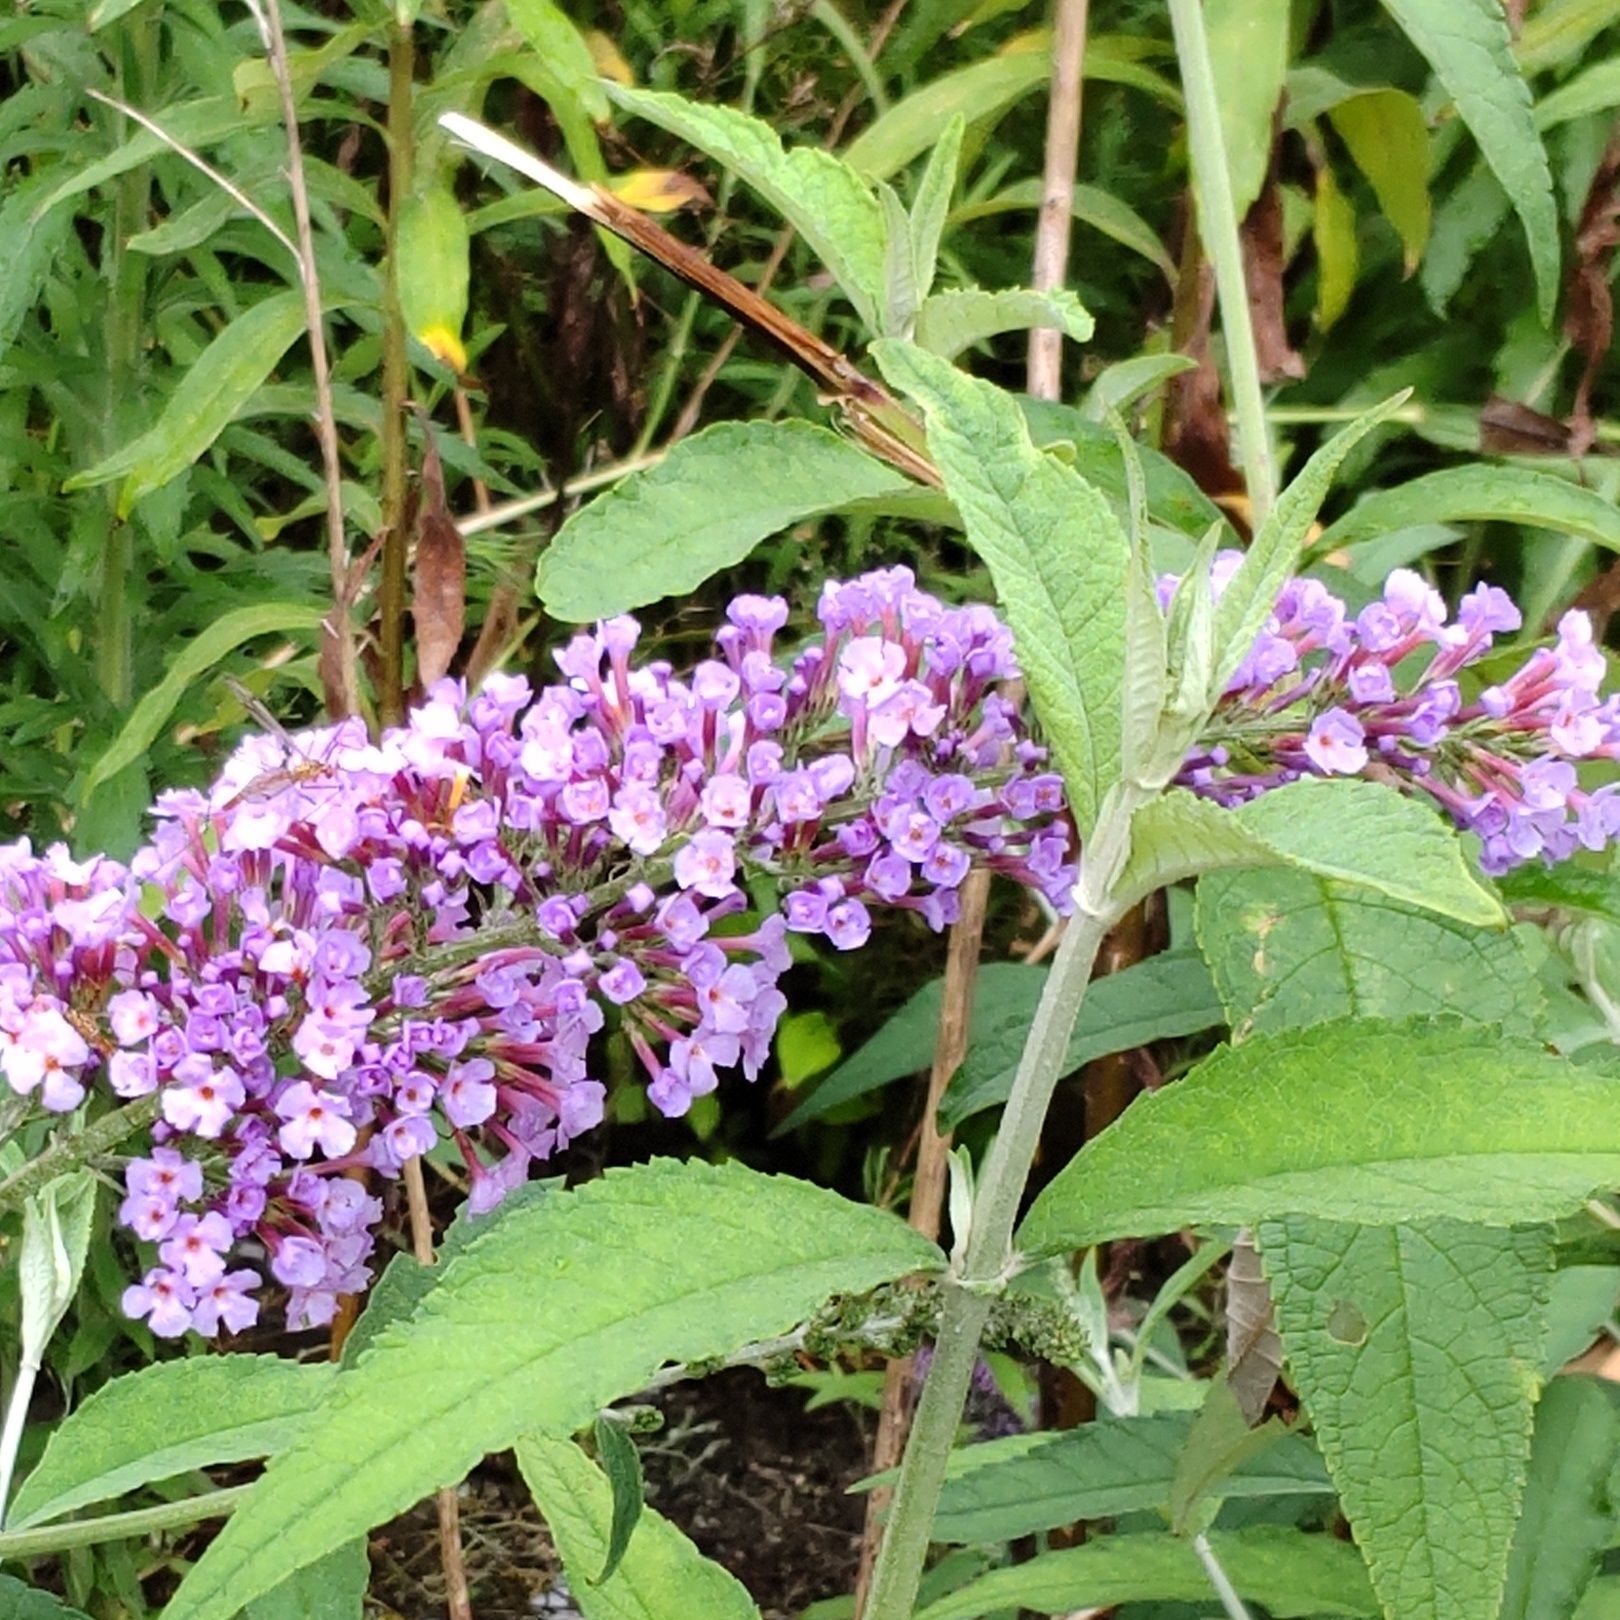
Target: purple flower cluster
x,y
348,953
1324,692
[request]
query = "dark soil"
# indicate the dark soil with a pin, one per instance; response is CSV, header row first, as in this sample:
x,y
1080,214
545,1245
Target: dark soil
x,y
758,1483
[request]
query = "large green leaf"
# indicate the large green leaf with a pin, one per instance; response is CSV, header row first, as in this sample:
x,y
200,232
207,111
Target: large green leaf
x,y
165,1420
704,507
332,1588
1416,1349
662,1576
949,322
566,1306
1570,1502
1248,49
822,197
1355,832
1479,494
1468,45
1156,999
199,655
217,386
1290,948
563,49
1287,1571
1356,1120
1056,553
1026,1483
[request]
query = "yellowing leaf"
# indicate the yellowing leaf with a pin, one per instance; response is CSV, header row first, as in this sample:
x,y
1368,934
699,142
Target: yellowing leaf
x,y
658,191
443,344
1387,135
433,272
1337,256
607,56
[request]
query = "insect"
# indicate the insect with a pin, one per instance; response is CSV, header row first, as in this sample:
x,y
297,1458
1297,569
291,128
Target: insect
x,y
303,768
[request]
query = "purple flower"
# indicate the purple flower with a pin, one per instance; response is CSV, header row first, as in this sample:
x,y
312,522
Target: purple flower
x,y
165,1299
314,1119
1336,743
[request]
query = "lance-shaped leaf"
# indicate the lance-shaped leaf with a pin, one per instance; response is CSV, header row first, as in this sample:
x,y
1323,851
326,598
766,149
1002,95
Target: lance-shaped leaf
x,y
1252,591
1056,552
704,507
568,1305
661,1572
1356,1120
1468,45
1570,1503
825,200
1355,832
332,1588
1027,1483
217,386
1480,494
1289,1572
1416,1349
166,1420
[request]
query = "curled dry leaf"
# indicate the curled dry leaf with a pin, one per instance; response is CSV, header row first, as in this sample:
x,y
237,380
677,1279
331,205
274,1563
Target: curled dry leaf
x,y
1262,237
439,575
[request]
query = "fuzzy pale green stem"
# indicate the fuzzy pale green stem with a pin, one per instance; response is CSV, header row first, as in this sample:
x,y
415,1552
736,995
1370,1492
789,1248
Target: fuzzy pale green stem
x,y
72,1151
988,1255
22,1392
1218,225
54,1538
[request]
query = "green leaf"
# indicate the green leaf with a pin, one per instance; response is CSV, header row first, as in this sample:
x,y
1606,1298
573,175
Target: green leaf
x,y
1248,48
1158,998
662,1575
1090,205
1596,89
199,655
1286,1571
1467,218
1353,831
1055,551
1003,1489
1338,254
332,1588
28,249
1570,1502
1219,1443
949,322
822,197
55,1240
981,92
704,507
433,272
166,1420
1479,494
1567,886
1252,592
1468,45
223,379
19,1601
1356,1120
1388,137
1124,382
621,1463
537,1325
561,46
1290,948
1423,1414
931,206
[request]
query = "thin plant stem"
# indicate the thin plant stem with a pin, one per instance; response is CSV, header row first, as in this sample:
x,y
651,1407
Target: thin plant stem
x,y
1051,262
928,1190
22,1392
1218,225
497,517
55,1538
395,385
1218,1578
988,1256
343,683
457,1598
